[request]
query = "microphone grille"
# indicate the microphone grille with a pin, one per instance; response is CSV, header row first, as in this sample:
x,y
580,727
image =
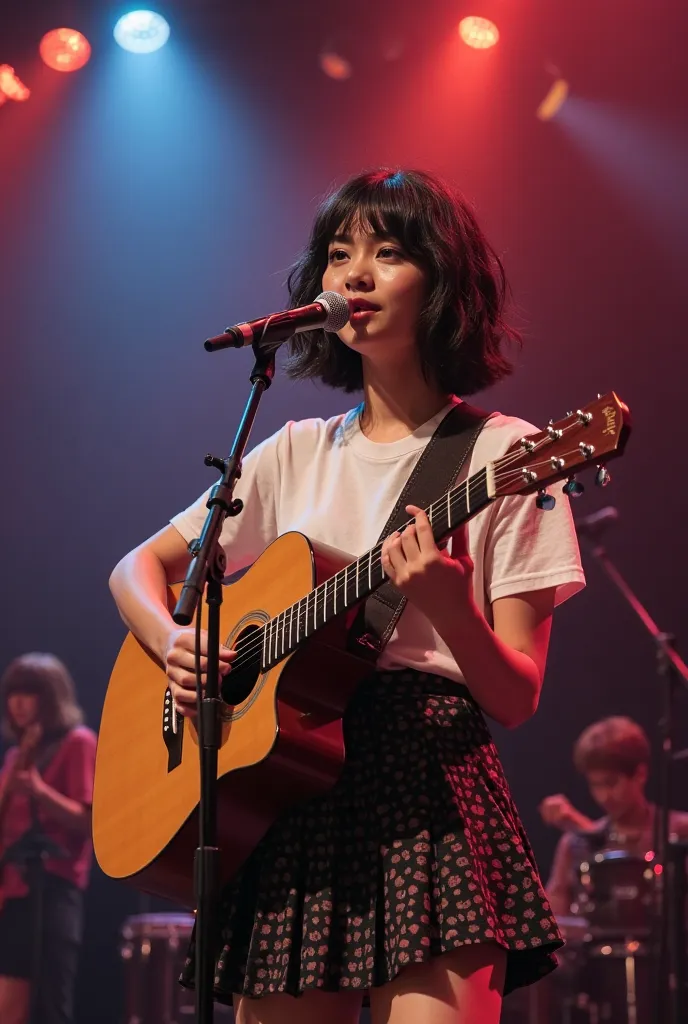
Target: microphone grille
x,y
338,312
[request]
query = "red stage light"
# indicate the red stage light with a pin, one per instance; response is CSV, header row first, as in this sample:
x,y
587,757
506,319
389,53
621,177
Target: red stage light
x,y
478,32
335,66
65,49
12,87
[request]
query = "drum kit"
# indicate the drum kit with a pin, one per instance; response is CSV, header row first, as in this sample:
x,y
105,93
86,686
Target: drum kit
x,y
153,950
604,972
603,976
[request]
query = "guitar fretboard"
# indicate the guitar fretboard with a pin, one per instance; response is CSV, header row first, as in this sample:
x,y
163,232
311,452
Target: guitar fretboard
x,y
283,634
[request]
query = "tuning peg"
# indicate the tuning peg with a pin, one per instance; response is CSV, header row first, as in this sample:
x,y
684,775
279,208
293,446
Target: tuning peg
x,y
573,488
545,501
603,476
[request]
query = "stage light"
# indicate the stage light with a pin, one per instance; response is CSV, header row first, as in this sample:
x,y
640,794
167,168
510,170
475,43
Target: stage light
x,y
335,66
554,100
142,31
11,87
65,49
479,33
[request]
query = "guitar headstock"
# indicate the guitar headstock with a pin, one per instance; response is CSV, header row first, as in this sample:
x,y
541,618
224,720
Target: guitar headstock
x,y
590,436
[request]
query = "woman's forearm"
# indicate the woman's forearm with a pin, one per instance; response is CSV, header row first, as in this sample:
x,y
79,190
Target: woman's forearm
x,y
139,586
62,809
504,682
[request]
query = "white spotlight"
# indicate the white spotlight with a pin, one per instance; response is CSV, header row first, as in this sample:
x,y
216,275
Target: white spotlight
x,y
141,31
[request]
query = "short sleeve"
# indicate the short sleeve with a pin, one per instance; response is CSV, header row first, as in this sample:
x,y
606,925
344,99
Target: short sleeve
x,y
528,548
80,766
244,537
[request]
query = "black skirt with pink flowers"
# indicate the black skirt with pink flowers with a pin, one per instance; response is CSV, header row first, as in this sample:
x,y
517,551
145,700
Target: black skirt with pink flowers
x,y
418,849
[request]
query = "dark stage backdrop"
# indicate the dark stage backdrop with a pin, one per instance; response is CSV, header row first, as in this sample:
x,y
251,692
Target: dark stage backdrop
x,y
148,202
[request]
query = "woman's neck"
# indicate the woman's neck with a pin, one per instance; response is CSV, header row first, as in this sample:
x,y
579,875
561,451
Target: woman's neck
x,y
396,403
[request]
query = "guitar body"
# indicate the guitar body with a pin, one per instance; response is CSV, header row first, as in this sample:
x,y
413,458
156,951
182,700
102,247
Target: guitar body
x,y
281,741
282,732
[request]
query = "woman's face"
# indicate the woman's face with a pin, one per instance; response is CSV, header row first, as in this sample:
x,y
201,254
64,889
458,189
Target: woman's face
x,y
386,287
23,709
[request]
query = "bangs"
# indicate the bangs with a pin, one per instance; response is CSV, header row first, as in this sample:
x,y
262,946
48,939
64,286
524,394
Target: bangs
x,y
461,327
384,204
25,684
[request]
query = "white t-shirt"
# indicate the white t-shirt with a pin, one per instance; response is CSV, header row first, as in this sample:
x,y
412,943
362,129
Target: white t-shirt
x,y
326,479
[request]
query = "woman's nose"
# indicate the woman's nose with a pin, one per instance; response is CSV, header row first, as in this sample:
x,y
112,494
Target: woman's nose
x,y
359,275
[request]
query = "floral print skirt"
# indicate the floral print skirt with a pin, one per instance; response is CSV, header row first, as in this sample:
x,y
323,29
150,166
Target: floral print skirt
x,y
417,849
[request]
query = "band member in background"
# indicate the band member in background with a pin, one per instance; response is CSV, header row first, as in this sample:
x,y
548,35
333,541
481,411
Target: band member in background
x,y
412,879
614,757
46,789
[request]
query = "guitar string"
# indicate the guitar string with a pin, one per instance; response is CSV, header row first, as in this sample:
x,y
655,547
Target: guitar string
x,y
249,652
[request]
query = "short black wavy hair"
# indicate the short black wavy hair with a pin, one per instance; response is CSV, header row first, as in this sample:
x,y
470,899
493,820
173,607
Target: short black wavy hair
x,y
462,330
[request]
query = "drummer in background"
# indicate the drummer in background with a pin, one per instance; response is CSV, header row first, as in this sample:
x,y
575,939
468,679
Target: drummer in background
x,y
614,757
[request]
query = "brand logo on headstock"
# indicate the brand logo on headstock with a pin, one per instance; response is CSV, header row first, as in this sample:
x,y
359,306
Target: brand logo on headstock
x,y
609,413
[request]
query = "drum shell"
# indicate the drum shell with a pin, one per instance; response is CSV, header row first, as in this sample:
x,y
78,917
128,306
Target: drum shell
x,y
153,949
617,894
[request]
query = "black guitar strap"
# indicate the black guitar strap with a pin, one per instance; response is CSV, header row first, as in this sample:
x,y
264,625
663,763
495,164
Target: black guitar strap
x,y
433,475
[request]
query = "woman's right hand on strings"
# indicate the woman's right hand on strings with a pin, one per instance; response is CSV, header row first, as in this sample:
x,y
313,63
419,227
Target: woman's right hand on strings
x,y
180,666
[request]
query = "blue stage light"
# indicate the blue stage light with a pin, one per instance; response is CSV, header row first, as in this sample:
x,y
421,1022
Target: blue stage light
x,y
142,31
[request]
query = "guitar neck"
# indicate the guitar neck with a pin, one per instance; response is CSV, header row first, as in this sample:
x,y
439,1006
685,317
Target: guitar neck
x,y
356,581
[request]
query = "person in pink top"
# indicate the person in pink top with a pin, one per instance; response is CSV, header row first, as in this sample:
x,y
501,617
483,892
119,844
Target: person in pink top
x,y
46,788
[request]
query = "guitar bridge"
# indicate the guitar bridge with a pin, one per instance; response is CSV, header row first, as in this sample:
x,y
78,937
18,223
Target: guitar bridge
x,y
172,731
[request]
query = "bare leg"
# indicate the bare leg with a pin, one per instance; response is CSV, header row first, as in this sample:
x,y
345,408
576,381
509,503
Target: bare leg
x,y
14,1000
313,1007
463,986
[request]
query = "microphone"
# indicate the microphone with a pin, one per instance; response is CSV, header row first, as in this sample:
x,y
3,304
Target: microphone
x,y
597,522
329,311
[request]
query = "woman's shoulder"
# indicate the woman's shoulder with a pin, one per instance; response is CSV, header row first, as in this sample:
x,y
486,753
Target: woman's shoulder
x,y
499,433
307,435
80,737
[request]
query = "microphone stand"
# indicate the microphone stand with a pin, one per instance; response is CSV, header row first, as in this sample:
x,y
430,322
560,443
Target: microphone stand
x,y
671,1002
206,573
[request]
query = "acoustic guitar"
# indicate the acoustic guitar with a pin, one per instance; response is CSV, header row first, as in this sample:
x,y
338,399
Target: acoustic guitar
x,y
288,618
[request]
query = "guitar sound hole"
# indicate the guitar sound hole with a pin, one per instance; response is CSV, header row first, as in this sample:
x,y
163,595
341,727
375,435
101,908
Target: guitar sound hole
x,y
238,684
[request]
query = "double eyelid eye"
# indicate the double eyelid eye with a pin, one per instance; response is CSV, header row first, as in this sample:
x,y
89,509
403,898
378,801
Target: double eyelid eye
x,y
386,249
